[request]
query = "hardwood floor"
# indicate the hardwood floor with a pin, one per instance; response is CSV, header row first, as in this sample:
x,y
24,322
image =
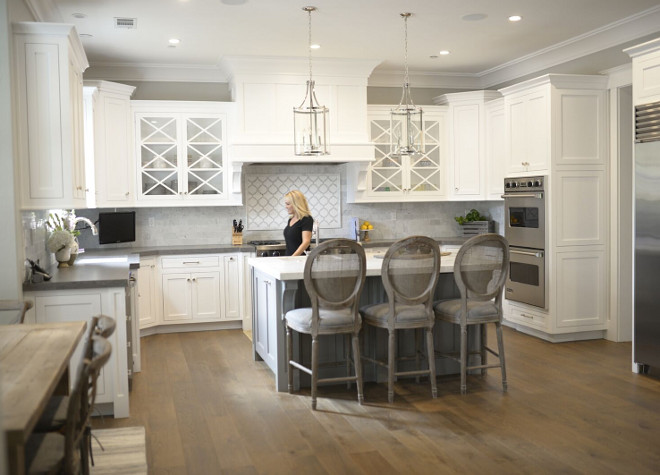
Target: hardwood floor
x,y
571,408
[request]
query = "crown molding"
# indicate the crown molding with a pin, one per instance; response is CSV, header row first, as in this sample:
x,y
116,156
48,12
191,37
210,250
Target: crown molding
x,y
392,78
155,72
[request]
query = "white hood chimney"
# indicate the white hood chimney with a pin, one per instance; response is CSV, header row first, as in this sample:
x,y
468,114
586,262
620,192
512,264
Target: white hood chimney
x,y
266,89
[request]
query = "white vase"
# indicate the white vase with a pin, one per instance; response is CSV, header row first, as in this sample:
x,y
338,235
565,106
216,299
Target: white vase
x,y
62,257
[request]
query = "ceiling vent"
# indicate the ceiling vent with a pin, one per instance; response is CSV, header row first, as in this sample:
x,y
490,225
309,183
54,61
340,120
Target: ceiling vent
x,y
129,23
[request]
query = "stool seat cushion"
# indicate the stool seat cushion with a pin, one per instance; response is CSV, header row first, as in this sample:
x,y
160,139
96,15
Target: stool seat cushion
x,y
300,319
478,311
376,314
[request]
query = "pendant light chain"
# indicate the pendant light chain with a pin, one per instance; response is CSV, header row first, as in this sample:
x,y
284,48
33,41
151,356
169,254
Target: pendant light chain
x,y
405,33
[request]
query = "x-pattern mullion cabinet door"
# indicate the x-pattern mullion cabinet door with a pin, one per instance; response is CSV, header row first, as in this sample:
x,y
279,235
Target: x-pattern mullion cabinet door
x,y
182,156
409,177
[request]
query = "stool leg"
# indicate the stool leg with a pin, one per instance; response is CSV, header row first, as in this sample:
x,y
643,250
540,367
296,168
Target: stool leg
x,y
391,363
358,366
500,350
315,368
347,356
418,349
484,341
289,357
463,359
431,352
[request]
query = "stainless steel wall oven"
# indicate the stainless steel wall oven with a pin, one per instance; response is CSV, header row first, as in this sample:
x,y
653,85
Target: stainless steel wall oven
x,y
524,228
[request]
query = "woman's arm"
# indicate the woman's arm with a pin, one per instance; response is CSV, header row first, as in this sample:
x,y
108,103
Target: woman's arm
x,y
306,239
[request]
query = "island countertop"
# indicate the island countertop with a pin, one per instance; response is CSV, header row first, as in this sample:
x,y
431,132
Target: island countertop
x,y
291,268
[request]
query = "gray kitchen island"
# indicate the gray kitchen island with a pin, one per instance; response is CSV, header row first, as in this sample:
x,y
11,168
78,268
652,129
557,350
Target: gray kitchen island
x,y
277,287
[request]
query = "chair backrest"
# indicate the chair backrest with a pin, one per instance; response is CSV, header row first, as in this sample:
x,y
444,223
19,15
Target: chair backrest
x,y
334,276
481,267
410,272
13,311
81,402
105,326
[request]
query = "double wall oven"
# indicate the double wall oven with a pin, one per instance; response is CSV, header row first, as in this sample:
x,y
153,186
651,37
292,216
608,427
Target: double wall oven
x,y
524,219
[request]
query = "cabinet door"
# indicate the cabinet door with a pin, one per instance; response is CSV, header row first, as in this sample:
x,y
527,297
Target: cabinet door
x,y
77,128
205,296
71,308
265,318
537,126
177,297
425,171
516,134
204,167
232,287
495,149
467,154
157,156
385,175
146,289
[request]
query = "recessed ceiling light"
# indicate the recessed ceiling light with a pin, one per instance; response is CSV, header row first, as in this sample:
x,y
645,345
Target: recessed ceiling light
x,y
444,52
474,17
78,15
315,46
515,18
174,41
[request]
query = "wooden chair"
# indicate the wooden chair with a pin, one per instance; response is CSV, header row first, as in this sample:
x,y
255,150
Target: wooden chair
x,y
410,273
13,311
61,453
334,276
480,271
54,417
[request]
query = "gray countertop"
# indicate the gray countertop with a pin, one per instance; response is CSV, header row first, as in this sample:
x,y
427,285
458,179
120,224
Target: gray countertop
x,y
88,273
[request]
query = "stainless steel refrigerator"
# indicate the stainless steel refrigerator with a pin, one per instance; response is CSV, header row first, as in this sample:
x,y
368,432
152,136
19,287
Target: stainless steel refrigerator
x,y
647,239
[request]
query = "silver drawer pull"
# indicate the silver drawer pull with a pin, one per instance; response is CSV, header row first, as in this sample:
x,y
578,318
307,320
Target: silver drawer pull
x,y
523,195
191,262
527,316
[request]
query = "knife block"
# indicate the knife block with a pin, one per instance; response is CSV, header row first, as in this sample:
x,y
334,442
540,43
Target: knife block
x,y
236,239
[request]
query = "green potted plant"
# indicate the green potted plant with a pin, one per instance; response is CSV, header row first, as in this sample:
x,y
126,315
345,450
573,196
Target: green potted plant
x,y
473,223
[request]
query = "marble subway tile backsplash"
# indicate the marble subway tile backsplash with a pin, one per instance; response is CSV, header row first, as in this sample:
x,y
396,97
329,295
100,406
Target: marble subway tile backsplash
x,y
213,225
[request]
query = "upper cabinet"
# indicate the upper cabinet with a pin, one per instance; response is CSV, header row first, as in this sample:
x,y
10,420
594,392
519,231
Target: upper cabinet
x,y
181,151
646,72
109,144
495,149
388,178
49,62
467,143
555,121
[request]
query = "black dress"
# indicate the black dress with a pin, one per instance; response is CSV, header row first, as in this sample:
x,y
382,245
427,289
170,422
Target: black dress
x,y
293,234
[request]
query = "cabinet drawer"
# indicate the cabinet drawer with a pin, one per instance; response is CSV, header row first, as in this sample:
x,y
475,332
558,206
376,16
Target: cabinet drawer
x,y
190,262
528,317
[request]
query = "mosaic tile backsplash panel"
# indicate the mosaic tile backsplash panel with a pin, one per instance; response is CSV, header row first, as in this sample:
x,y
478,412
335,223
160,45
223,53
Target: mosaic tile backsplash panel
x,y
265,199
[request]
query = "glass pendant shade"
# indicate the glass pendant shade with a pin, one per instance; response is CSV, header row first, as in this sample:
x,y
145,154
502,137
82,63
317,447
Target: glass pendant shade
x,y
406,119
406,127
310,125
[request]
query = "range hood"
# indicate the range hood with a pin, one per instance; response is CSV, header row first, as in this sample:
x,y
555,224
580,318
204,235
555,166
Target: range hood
x,y
266,89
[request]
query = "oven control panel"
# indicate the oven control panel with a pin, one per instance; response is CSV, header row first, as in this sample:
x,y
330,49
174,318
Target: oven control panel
x,y
528,183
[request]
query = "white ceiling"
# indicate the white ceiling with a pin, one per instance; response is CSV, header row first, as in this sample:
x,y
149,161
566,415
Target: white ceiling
x,y
551,32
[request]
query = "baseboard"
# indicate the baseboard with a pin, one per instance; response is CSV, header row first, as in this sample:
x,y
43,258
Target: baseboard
x,y
191,327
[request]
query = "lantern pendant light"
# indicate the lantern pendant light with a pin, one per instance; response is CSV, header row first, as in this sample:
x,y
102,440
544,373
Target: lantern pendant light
x,y
406,119
310,118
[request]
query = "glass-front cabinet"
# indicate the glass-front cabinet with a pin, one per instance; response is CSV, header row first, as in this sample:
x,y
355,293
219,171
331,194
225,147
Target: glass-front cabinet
x,y
182,156
391,177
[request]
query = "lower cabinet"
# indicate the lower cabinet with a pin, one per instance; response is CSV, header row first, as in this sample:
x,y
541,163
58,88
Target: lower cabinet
x,y
76,305
191,289
264,331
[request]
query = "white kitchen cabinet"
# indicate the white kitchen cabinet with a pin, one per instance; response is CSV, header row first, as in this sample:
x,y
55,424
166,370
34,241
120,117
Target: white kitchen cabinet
x,y
555,121
264,325
109,128
49,62
402,178
148,302
191,296
467,142
495,149
646,72
232,287
75,305
181,151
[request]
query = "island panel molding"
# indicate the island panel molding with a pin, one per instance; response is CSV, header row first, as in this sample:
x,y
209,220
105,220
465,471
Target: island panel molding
x,y
265,199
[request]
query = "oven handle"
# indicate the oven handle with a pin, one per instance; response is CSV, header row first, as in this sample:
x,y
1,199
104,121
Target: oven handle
x,y
527,253
523,195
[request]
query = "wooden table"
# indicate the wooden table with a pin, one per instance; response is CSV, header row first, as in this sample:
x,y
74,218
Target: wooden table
x,y
34,365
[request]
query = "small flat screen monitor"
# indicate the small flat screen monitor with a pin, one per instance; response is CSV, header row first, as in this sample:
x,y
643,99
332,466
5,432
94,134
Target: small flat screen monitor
x,y
116,227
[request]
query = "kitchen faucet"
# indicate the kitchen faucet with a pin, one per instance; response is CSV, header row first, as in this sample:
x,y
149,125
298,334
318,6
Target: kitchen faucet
x,y
88,222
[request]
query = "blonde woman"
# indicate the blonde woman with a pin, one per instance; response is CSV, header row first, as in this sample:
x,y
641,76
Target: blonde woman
x,y
298,232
